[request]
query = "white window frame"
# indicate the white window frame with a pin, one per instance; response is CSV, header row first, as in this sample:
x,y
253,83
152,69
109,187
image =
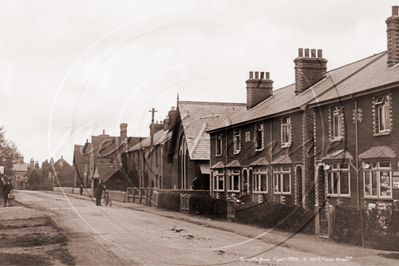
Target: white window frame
x,y
278,174
233,173
337,123
259,137
286,127
375,167
257,173
337,169
383,106
218,175
237,140
219,144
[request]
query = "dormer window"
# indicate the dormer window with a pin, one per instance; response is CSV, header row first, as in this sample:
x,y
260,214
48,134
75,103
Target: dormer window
x,y
285,132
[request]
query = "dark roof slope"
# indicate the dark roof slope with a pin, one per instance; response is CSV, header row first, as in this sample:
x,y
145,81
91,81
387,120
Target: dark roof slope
x,y
362,75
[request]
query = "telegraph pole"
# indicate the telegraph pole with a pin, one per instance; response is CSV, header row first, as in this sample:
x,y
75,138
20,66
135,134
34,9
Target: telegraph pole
x,y
152,127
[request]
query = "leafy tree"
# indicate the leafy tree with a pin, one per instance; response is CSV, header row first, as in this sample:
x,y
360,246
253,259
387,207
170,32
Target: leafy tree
x,y
34,178
9,154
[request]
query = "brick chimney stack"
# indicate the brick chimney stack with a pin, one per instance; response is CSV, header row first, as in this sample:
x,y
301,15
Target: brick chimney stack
x,y
309,70
123,127
157,126
259,88
393,37
32,164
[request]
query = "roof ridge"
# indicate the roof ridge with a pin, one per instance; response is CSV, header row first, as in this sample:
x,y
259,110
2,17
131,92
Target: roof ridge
x,y
218,103
378,56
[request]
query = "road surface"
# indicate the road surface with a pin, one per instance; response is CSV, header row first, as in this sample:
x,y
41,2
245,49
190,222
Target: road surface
x,y
100,235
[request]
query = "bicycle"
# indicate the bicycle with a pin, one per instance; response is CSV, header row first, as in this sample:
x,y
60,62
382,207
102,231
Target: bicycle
x,y
106,199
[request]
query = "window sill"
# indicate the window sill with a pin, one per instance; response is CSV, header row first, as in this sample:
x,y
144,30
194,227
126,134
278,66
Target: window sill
x,y
383,133
336,139
286,145
218,155
259,192
233,190
237,152
259,149
338,196
282,193
377,198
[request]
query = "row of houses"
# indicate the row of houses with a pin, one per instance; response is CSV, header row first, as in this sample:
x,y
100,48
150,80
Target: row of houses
x,y
328,138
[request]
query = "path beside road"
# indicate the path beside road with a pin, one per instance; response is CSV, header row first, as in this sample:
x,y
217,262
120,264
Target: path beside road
x,y
298,242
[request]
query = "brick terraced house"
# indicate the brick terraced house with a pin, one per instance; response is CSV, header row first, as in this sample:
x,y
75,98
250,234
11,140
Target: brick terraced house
x,y
329,138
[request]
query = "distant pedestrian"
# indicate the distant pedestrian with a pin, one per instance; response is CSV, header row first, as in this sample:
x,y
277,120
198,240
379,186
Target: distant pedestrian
x,y
98,193
11,198
6,190
81,189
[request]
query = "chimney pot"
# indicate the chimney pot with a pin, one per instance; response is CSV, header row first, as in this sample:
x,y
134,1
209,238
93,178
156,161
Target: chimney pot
x,y
313,52
267,75
173,108
395,10
256,74
319,53
306,52
251,74
262,75
300,52
103,131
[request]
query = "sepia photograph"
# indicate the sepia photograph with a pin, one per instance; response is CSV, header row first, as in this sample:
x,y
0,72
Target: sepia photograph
x,y
187,132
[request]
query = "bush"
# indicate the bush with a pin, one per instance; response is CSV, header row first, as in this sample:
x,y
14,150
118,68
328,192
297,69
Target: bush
x,y
208,206
169,201
275,215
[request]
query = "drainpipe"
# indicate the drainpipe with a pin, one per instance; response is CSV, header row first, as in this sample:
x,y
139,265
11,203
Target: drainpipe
x,y
359,206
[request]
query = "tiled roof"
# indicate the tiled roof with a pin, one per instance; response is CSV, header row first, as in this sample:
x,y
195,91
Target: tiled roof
x,y
353,78
20,167
199,117
338,155
159,138
282,159
234,163
378,152
106,171
260,161
204,167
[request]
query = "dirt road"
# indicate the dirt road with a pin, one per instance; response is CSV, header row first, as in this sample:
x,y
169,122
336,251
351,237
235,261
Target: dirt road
x,y
119,236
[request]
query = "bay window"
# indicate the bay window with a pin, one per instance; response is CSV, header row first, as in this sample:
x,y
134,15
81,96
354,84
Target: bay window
x,y
282,179
377,179
338,179
234,179
259,179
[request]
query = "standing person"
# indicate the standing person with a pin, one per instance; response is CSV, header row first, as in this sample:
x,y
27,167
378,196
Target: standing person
x,y
6,189
81,189
98,193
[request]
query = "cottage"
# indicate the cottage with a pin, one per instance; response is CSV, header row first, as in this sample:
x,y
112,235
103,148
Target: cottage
x,y
179,155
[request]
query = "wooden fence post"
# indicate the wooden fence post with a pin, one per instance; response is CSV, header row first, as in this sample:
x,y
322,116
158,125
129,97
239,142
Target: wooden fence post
x,y
330,220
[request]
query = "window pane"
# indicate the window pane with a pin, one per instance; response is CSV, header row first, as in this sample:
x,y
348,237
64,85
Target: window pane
x,y
385,184
344,183
386,116
385,164
335,184
221,183
286,168
215,182
277,186
367,184
374,184
285,134
256,182
344,166
329,184
380,119
286,182
236,182
335,126
263,184
259,140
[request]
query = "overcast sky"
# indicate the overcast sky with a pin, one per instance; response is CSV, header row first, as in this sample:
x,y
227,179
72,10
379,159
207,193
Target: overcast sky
x,y
69,69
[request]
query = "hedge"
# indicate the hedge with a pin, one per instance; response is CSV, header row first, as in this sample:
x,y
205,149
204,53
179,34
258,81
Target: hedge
x,y
206,205
276,215
169,201
380,227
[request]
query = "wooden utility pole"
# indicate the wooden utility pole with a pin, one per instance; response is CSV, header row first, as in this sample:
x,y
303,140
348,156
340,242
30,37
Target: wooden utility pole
x,y
152,128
